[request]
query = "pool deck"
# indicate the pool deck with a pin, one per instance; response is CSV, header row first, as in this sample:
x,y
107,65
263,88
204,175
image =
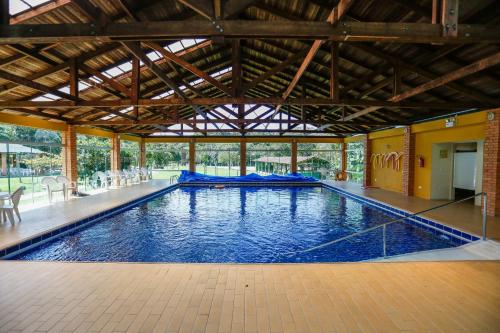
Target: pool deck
x,y
39,220
463,216
457,296
357,297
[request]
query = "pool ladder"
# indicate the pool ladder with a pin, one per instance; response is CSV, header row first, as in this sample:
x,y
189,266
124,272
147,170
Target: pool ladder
x,y
384,225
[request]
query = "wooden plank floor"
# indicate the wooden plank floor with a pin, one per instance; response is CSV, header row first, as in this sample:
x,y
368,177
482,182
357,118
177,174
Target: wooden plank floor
x,y
358,297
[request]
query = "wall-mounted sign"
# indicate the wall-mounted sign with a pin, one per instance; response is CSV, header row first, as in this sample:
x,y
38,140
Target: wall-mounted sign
x,y
491,116
450,122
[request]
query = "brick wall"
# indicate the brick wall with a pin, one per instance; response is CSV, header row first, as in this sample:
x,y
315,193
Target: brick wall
x,y
408,162
491,164
367,172
70,165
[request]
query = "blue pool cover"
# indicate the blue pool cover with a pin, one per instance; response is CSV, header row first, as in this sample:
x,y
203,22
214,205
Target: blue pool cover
x,y
191,177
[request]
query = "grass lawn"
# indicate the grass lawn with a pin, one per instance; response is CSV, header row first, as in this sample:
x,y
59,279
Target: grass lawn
x,y
31,184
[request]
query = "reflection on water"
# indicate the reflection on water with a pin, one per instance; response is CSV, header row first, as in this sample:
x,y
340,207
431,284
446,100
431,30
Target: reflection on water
x,y
233,224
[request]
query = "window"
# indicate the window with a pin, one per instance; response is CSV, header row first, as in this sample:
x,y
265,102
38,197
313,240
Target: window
x,y
27,155
269,158
319,160
19,6
218,159
167,159
130,154
93,154
355,161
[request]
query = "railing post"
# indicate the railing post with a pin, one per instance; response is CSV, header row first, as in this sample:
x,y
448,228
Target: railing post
x,y
383,236
485,214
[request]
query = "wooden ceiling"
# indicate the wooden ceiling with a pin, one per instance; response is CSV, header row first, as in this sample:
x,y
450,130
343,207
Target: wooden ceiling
x,y
248,67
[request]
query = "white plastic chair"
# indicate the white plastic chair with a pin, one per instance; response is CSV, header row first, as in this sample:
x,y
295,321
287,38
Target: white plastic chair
x,y
13,206
52,186
68,186
135,175
103,179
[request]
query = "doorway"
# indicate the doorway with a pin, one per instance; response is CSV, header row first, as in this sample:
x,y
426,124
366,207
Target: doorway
x,y
457,169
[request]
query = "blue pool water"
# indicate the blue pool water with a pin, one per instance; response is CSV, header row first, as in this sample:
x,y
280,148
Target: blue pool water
x,y
240,224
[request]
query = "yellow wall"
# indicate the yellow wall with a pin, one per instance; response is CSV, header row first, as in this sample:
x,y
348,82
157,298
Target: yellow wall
x,y
470,127
381,143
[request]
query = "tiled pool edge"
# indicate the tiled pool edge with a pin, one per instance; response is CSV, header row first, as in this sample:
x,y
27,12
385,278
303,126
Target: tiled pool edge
x,y
51,234
418,221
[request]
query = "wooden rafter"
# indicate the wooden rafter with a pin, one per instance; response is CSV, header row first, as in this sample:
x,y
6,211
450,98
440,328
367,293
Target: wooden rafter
x,y
203,7
186,65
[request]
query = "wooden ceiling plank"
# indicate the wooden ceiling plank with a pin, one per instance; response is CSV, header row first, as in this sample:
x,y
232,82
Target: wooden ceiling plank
x,y
234,7
34,85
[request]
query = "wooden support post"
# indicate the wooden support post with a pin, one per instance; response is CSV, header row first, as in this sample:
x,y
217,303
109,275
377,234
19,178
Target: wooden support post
x,y
69,155
236,67
408,162
491,162
135,87
435,11
243,158
192,156
115,153
294,167
334,72
4,12
449,18
344,158
367,170
396,84
142,157
73,77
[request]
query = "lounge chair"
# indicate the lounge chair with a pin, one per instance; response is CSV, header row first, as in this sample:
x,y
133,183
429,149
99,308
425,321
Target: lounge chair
x,y
52,186
8,210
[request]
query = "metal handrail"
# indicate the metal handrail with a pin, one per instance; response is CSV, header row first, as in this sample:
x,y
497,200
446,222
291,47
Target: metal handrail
x,y
384,225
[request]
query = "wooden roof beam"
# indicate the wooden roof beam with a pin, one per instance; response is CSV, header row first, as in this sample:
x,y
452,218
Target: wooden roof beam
x,y
440,81
238,100
383,32
450,77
